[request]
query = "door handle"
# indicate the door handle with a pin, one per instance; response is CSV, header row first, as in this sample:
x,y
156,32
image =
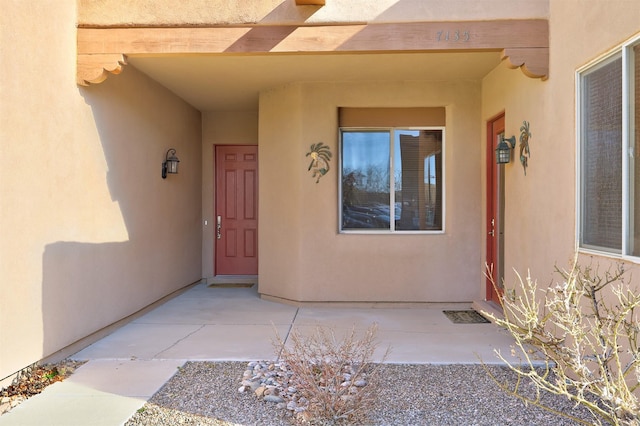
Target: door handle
x,y
219,227
493,224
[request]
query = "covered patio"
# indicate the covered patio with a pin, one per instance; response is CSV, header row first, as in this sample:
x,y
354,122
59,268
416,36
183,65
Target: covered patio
x,y
125,368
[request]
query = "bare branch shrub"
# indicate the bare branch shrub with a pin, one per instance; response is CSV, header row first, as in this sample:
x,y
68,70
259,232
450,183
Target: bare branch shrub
x,y
335,379
578,339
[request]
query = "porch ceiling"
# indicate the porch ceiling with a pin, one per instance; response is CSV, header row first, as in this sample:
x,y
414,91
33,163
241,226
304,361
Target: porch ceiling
x,y
233,82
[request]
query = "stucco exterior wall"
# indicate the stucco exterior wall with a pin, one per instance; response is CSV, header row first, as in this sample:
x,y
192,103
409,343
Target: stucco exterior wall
x,y
280,215
302,255
540,208
539,226
574,43
90,231
269,12
219,128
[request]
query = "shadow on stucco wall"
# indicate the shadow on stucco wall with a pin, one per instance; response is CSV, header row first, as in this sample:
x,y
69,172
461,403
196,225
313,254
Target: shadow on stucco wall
x,y
127,236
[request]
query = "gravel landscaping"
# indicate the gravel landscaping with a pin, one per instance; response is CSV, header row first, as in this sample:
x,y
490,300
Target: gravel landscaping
x,y
207,393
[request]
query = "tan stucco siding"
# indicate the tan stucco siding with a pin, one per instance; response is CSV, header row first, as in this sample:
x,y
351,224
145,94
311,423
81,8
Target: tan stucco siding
x,y
302,255
90,231
269,12
281,212
540,208
601,26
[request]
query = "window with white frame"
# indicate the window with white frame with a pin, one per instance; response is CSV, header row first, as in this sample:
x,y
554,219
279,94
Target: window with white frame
x,y
392,179
609,155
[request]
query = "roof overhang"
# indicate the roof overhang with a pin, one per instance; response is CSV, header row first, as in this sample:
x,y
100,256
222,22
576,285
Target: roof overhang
x,y
523,43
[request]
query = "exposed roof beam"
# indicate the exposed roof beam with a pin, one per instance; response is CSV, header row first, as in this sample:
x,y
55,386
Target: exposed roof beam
x,y
524,42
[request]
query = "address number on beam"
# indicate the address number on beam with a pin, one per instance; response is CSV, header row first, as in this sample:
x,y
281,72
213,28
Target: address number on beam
x,y
455,36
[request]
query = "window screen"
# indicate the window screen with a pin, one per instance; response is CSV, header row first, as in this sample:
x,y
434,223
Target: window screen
x,y
601,162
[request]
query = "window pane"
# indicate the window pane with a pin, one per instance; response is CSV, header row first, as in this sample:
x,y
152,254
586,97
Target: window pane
x,y
365,180
601,164
418,179
635,144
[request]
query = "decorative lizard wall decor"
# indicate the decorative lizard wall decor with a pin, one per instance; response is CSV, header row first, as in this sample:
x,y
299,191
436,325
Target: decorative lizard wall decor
x,y
525,153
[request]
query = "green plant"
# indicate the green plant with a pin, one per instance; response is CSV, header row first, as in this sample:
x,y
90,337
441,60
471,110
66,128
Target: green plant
x,y
335,379
579,339
53,373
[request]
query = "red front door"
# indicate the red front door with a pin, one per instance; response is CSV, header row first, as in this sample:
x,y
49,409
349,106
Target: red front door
x,y
495,208
236,221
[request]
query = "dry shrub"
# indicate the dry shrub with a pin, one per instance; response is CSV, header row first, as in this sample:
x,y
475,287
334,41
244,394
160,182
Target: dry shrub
x,y
578,339
335,379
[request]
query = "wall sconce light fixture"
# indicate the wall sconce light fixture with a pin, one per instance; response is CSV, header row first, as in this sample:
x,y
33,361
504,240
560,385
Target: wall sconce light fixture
x,y
503,150
170,164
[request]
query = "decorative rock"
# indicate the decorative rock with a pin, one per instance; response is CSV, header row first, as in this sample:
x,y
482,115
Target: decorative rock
x,y
273,398
272,382
260,391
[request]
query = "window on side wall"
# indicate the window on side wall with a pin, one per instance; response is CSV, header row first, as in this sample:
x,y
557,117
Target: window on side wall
x,y
609,153
392,179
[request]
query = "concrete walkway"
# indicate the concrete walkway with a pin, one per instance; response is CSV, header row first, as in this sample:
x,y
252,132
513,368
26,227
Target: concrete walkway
x,y
127,367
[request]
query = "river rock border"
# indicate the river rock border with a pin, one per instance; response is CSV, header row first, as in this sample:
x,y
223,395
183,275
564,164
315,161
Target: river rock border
x,y
274,382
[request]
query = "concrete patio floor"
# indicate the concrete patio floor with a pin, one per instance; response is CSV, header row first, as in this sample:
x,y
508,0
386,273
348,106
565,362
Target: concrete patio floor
x,y
127,367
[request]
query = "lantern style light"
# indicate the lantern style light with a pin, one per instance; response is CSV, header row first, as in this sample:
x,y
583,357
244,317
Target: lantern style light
x,y
503,150
170,164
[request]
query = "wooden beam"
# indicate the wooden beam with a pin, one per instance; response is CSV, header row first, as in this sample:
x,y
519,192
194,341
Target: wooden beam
x,y
534,62
523,41
394,37
311,2
94,69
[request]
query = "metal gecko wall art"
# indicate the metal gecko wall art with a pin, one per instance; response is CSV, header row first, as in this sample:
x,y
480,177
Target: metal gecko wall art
x,y
525,153
320,156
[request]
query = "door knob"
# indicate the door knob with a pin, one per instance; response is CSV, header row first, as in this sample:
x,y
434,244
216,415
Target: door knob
x,y
219,227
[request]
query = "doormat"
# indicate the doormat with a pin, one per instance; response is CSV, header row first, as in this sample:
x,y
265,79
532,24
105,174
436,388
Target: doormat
x,y
231,285
465,317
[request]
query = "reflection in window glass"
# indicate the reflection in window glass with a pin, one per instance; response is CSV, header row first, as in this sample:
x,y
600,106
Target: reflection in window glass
x,y
374,162
365,180
418,169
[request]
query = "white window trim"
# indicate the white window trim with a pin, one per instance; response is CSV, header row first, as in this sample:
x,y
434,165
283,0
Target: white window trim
x,y
625,51
392,130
